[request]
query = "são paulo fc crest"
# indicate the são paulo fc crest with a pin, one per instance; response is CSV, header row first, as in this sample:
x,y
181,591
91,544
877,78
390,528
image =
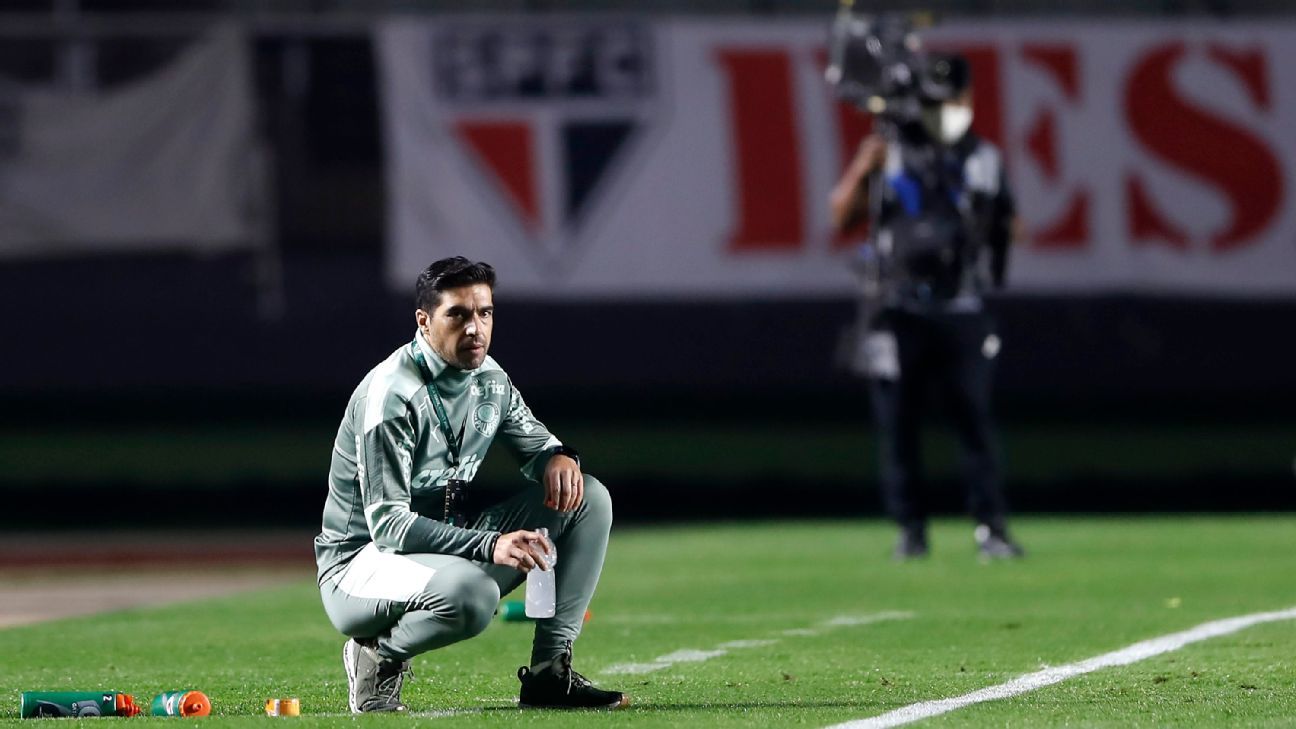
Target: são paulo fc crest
x,y
485,418
547,113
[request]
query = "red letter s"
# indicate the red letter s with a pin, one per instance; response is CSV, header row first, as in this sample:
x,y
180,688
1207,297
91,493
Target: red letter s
x,y
1230,158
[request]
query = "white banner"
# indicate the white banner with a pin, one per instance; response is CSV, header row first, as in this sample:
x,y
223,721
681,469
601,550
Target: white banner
x,y
166,162
593,157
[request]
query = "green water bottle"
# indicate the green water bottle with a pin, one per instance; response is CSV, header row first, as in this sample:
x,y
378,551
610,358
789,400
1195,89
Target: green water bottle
x,y
514,611
38,704
180,703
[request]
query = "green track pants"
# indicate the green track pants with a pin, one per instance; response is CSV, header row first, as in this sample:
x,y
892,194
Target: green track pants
x,y
414,603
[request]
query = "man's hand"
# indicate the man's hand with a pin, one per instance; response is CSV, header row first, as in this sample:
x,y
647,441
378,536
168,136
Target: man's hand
x,y
522,550
563,483
849,199
871,154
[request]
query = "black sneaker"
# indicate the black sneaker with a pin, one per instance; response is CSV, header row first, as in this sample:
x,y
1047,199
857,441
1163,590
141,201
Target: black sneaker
x,y
912,544
995,544
554,685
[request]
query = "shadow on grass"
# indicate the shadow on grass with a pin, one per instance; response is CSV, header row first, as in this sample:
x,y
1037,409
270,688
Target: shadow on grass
x,y
644,706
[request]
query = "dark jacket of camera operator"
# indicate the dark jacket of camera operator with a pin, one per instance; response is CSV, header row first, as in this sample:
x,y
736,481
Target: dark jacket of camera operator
x,y
946,215
941,219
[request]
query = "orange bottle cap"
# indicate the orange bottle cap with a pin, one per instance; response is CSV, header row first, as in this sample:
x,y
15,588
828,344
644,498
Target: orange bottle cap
x,y
195,703
125,705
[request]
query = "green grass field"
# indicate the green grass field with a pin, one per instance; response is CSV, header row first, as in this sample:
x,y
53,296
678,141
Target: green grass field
x,y
786,617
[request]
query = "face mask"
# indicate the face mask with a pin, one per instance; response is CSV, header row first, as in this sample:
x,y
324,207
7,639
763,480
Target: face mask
x,y
955,119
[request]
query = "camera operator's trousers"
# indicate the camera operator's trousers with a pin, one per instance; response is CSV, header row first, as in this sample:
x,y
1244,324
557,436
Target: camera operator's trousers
x,y
414,603
953,353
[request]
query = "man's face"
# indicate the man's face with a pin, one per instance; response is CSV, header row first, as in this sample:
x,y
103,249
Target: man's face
x,y
459,329
949,121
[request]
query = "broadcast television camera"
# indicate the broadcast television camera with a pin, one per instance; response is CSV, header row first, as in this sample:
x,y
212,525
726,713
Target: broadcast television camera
x,y
878,64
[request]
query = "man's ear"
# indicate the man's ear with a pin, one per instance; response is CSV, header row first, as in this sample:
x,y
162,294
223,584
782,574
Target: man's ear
x,y
421,318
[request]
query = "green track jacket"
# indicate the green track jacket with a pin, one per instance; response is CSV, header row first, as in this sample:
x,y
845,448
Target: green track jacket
x,y
390,461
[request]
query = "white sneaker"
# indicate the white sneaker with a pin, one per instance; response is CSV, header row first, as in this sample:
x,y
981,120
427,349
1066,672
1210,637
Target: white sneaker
x,y
373,683
350,650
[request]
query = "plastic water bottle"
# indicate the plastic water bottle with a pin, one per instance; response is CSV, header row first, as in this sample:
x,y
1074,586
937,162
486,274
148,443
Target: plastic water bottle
x,y
540,592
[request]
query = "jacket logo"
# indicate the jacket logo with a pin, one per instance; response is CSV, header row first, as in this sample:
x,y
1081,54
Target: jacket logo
x,y
489,387
436,477
485,418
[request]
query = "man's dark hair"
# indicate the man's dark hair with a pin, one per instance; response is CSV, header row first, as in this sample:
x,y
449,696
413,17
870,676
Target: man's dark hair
x,y
449,273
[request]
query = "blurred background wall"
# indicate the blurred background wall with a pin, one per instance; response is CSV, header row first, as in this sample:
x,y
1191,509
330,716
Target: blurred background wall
x,y
209,232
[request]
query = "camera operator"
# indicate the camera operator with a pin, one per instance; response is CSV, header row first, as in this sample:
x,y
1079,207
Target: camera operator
x,y
941,218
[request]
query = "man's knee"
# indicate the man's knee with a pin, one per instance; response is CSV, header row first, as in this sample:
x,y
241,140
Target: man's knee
x,y
463,599
468,597
598,502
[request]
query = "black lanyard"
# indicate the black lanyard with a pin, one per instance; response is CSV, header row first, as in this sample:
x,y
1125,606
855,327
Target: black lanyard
x,y
453,443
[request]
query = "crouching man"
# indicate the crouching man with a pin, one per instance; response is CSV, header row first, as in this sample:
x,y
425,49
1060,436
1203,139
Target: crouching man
x,y
408,563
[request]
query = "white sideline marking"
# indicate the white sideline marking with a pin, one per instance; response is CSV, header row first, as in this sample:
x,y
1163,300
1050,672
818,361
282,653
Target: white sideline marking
x,y
693,655
760,643
636,667
688,655
848,621
1049,676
